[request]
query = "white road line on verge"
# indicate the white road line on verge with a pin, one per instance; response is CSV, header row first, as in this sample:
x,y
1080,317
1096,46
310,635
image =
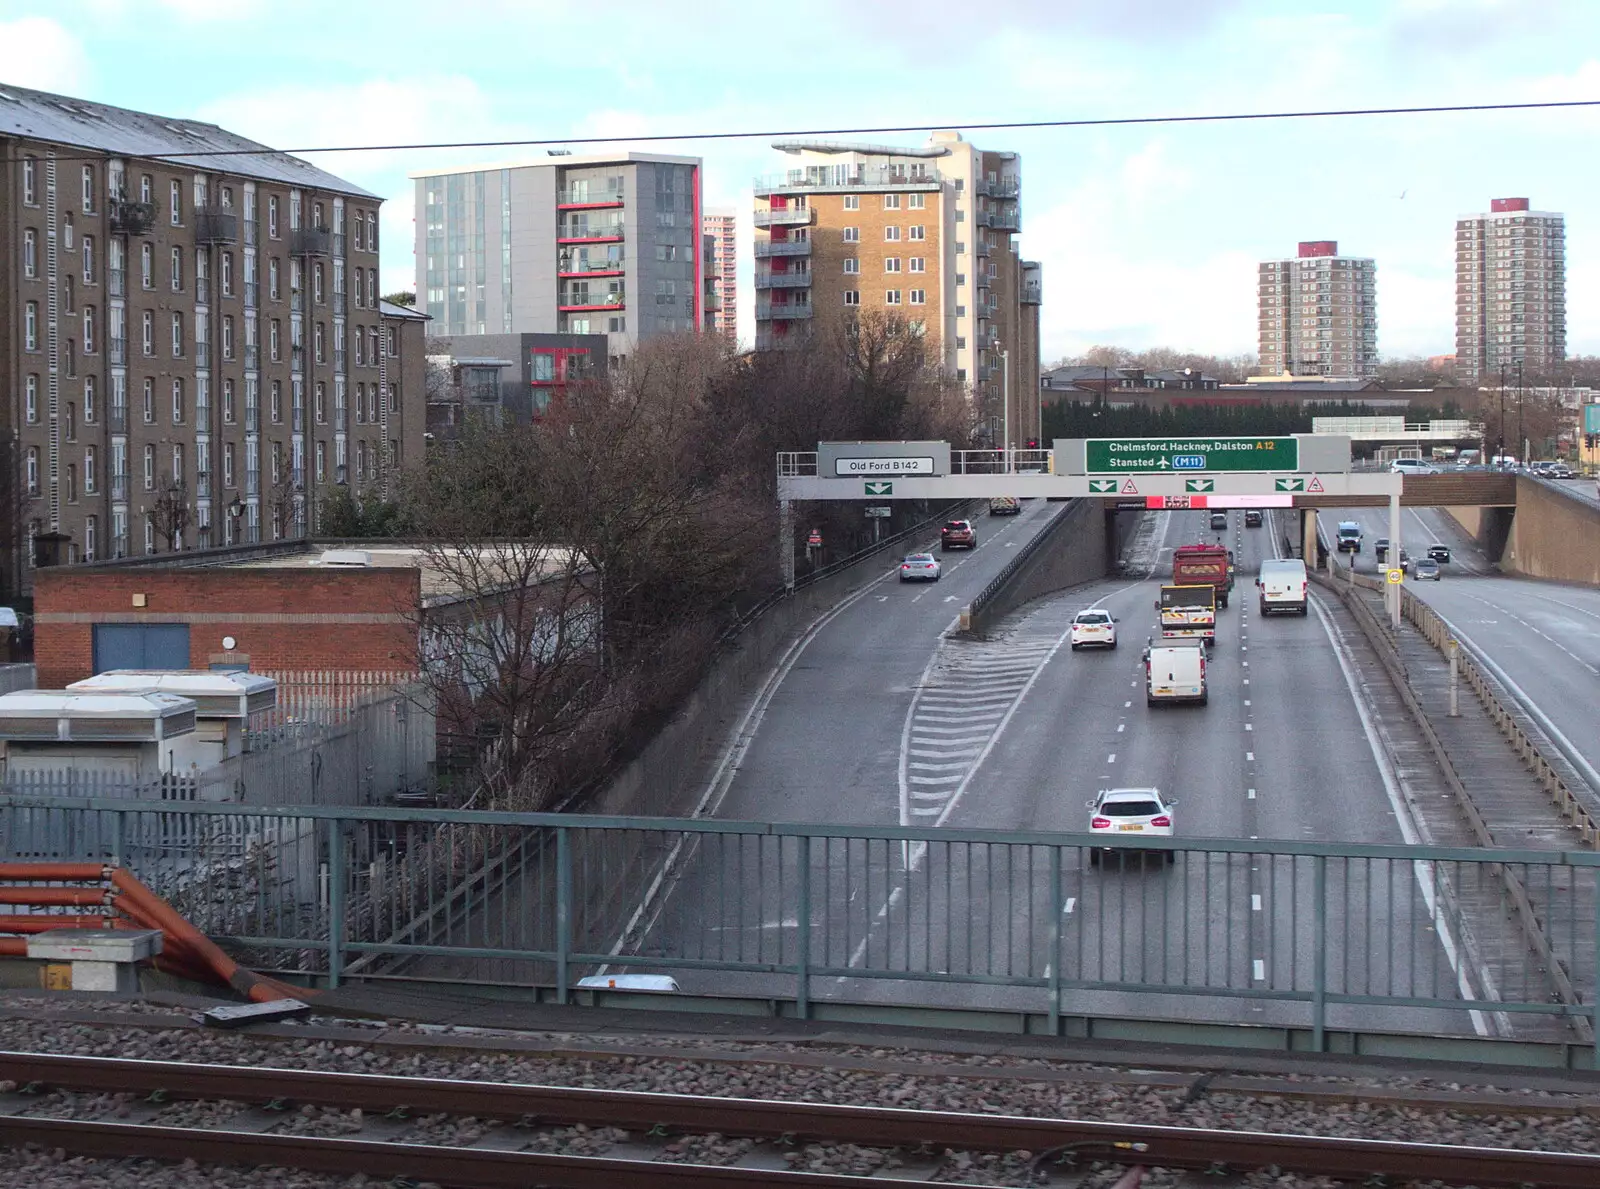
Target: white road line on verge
x,y
1410,831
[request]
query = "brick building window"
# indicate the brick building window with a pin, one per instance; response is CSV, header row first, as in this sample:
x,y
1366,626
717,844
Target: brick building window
x,y
30,253
30,399
149,401
30,326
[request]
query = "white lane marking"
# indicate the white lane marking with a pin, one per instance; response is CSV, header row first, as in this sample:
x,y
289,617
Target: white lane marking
x,y
919,596
1250,755
1255,902
935,780
951,598
1250,794
883,598
920,767
927,794
976,717
1249,726
1507,611
1247,681
1125,705
943,753
1260,968
1112,758
1247,701
1423,872
1071,903
966,733
1121,726
721,781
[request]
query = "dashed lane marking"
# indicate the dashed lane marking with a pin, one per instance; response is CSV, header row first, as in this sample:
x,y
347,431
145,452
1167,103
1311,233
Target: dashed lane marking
x,y
1260,968
1255,902
1250,794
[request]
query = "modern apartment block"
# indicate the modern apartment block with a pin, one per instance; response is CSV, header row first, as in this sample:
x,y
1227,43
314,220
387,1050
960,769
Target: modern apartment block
x,y
924,233
192,351
720,226
1511,290
604,244
1319,313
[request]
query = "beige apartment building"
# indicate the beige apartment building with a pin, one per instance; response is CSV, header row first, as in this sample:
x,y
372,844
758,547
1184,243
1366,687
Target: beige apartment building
x,y
1318,314
1511,291
928,234
720,227
192,350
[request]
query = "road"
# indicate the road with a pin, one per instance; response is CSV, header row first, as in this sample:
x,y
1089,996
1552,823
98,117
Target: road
x,y
1543,636
882,721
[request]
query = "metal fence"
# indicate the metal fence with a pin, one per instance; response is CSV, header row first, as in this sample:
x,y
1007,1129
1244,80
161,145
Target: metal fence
x,y
1420,940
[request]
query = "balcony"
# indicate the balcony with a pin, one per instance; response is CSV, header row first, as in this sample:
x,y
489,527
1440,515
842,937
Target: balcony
x,y
310,241
840,178
252,357
117,351
252,419
338,244
604,233
202,418
578,198
202,485
339,365
119,489
252,483
202,291
579,299
766,279
769,312
132,218
117,282
252,295
1031,295
782,247
297,360
784,216
215,225
981,248
297,302
1004,188
202,354
297,421
117,418
1000,220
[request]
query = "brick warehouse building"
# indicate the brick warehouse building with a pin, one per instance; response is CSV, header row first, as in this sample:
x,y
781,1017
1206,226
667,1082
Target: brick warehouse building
x,y
192,350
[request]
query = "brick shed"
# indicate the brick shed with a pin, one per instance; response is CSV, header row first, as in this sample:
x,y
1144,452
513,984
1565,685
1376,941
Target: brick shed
x,y
279,613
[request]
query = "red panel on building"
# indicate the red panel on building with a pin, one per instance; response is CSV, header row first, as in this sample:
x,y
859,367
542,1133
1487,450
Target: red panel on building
x,y
1496,205
1319,247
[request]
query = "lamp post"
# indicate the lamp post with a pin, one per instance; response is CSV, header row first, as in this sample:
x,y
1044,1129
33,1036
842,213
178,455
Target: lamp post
x,y
1522,441
1005,401
1500,426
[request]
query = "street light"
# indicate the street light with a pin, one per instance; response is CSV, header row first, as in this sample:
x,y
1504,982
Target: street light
x,y
1005,400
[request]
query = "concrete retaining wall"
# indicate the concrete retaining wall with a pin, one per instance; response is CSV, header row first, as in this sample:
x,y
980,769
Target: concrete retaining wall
x,y
1078,546
1552,536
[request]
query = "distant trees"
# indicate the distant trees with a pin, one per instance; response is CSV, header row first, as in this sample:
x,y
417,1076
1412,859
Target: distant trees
x,y
1230,369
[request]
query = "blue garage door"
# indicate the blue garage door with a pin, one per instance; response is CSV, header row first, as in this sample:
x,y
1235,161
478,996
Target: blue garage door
x,y
141,646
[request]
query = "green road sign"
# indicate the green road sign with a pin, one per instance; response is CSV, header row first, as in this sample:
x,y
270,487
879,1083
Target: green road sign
x,y
1106,485
1290,484
1176,455
1199,484
880,488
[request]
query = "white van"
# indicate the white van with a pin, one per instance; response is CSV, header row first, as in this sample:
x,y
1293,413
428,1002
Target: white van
x,y
1281,586
1175,671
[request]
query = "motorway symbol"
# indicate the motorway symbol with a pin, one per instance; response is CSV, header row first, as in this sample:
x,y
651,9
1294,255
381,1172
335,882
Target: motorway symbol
x,y
1290,484
1199,484
880,488
1103,485
1188,462
1129,489
1396,577
1314,485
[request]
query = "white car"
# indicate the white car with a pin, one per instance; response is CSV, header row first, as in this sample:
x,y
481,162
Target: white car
x,y
1094,628
1130,814
920,567
1412,466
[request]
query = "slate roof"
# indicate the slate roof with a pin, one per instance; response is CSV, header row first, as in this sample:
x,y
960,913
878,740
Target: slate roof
x,y
119,132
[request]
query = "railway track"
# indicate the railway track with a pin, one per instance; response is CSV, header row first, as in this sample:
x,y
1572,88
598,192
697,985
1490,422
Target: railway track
x,y
274,1117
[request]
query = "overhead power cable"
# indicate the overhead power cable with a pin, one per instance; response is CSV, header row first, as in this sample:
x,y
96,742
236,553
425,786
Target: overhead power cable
x,y
995,126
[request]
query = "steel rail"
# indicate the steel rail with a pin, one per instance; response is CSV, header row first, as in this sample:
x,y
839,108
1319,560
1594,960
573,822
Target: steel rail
x,y
795,1122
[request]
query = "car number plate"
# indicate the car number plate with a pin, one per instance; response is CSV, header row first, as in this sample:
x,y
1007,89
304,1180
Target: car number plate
x,y
1163,689
1133,827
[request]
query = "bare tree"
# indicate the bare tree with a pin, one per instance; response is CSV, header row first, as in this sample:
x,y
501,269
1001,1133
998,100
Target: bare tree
x,y
172,515
284,502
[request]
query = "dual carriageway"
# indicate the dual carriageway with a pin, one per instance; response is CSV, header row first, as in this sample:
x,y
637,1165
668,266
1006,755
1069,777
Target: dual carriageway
x,y
887,717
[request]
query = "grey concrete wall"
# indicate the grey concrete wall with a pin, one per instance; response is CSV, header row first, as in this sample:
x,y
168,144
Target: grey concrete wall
x,y
1078,546
1552,535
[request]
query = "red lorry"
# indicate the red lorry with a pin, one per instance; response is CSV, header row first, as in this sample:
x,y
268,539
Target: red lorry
x,y
1204,565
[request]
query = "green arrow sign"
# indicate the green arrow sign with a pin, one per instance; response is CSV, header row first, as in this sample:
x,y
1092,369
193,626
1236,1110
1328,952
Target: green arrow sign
x,y
1290,484
1199,484
880,488
1107,485
1176,455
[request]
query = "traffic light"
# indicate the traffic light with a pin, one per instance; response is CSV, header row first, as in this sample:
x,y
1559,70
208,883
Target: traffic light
x,y
1033,444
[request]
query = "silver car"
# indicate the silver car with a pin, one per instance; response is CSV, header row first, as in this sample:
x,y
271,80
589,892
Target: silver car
x,y
920,567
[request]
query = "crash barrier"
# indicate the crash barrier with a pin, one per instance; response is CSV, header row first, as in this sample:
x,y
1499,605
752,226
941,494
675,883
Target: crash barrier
x,y
1029,573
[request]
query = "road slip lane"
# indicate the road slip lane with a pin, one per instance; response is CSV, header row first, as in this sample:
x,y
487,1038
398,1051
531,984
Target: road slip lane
x,y
1543,636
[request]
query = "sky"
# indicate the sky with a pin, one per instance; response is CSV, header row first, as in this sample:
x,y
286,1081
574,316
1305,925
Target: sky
x,y
1148,235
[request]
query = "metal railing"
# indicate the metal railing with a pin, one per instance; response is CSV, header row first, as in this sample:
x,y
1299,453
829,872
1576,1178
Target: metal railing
x,y
117,351
767,311
117,418
119,488
782,247
766,279
117,282
1310,934
787,216
582,231
834,178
